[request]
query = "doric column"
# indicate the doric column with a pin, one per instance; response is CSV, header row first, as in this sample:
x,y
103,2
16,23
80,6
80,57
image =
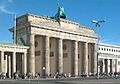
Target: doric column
x,y
9,66
14,62
24,56
116,65
60,55
75,55
47,55
102,69
103,65
95,58
6,62
85,67
32,54
111,65
106,66
2,61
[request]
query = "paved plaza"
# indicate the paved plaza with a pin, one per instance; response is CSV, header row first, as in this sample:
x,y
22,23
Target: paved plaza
x,y
63,81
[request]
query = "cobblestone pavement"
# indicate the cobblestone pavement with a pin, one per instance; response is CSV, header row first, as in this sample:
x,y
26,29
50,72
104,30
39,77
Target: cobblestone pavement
x,y
62,81
92,81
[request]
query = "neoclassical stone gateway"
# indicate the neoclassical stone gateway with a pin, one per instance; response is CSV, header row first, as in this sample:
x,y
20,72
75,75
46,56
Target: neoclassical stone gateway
x,y
13,58
64,46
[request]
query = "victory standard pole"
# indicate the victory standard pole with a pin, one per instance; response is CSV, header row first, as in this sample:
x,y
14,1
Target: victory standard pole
x,y
15,29
97,24
14,53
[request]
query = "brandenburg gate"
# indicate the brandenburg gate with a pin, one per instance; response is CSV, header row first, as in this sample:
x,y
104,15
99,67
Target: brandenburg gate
x,y
62,46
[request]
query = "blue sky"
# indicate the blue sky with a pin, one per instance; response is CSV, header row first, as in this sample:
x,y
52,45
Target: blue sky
x,y
81,11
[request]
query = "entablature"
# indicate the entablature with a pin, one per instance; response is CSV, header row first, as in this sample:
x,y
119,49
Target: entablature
x,y
64,35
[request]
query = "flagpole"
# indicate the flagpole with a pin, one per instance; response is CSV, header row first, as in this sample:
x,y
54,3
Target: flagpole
x,y
14,52
15,29
58,4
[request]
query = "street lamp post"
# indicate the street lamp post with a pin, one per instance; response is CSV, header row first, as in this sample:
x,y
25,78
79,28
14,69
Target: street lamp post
x,y
14,52
97,65
97,24
43,72
98,57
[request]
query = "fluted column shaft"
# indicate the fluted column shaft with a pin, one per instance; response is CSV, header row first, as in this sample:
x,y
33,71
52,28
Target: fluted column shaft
x,y
14,62
6,63
103,65
116,61
60,55
85,67
75,55
32,54
95,58
9,66
47,55
2,61
106,66
111,65
102,69
25,63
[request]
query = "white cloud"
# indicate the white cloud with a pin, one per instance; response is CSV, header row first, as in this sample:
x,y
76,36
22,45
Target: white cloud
x,y
3,7
110,41
10,0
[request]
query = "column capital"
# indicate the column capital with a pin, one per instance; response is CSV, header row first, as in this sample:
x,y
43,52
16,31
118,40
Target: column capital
x,y
25,52
75,41
60,38
47,36
85,43
31,34
14,52
2,51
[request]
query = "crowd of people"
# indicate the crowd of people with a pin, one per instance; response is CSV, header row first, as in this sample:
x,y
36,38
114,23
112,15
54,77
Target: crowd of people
x,y
56,75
